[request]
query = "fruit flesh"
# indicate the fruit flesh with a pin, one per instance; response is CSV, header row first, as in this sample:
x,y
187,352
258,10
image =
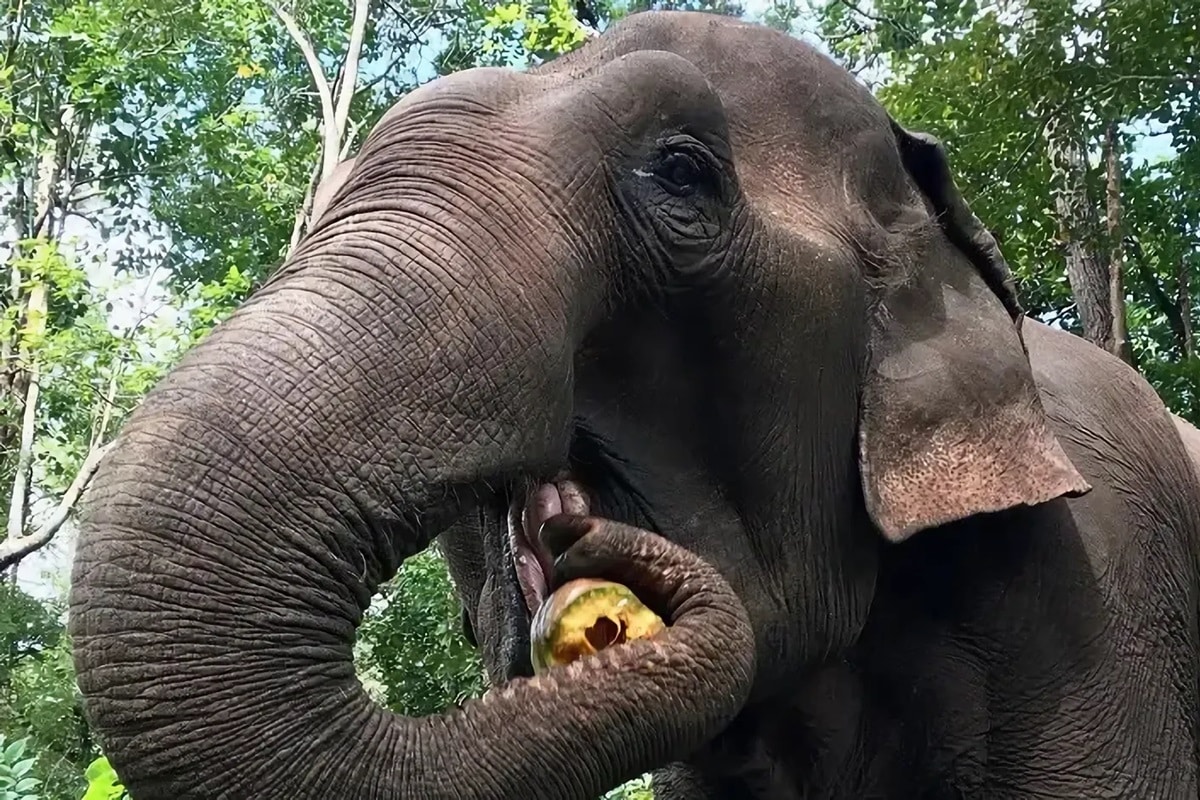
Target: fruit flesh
x,y
584,617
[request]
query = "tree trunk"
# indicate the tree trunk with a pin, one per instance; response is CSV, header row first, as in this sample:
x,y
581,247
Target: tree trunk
x,y
1119,339
1081,236
12,387
29,293
18,210
14,548
32,325
335,102
1184,304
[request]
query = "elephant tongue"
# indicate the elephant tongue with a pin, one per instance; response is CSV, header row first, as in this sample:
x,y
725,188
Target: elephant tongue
x,y
533,563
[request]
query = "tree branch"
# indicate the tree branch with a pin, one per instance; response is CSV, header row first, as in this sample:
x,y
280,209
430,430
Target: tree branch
x,y
14,19
1184,307
383,74
110,393
350,71
1038,135
20,485
79,200
128,175
330,138
88,218
14,549
302,213
348,142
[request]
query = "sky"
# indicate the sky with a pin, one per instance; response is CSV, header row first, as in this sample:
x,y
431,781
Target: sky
x,y
45,573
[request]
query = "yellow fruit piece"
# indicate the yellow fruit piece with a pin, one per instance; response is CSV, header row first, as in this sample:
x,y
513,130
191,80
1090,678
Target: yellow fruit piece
x,y
584,617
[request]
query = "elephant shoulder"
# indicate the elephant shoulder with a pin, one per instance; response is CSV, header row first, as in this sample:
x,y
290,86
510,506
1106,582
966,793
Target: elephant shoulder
x,y
1190,435
1120,436
1097,400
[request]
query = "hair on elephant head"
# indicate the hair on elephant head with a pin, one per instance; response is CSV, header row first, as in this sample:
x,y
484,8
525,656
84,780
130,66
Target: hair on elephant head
x,y
683,308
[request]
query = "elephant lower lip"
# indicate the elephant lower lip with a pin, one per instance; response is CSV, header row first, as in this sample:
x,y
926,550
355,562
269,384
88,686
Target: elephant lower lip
x,y
526,515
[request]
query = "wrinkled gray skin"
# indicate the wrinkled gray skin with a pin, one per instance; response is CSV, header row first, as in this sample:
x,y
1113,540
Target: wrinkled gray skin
x,y
698,267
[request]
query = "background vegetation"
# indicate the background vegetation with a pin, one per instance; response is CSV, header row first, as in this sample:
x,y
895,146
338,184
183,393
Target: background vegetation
x,y
159,159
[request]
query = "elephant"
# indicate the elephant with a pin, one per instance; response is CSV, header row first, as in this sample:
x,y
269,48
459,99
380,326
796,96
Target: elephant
x,y
688,309
1191,438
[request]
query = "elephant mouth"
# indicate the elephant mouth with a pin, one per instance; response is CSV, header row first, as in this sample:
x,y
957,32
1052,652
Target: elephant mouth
x,y
526,514
596,479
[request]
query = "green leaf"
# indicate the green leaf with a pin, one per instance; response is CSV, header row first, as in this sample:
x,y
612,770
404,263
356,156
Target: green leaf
x,y
98,770
14,751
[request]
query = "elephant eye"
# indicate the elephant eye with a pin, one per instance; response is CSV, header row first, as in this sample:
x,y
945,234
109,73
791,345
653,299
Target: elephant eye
x,y
679,171
684,166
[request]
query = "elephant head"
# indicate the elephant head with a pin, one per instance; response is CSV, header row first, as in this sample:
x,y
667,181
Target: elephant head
x,y
688,296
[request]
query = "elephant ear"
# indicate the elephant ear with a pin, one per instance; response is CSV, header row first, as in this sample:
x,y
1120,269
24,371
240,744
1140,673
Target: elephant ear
x,y
951,423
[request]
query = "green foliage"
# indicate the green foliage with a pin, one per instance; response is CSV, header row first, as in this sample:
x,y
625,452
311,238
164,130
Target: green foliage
x,y
211,302
37,687
28,629
411,651
16,782
729,8
103,783
520,31
412,656
637,789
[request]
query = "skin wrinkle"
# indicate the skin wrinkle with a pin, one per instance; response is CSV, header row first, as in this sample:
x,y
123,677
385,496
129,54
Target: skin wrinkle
x,y
315,555
513,155
1170,586
185,519
347,322
238,494
523,184
455,194
804,602
303,764
431,284
436,280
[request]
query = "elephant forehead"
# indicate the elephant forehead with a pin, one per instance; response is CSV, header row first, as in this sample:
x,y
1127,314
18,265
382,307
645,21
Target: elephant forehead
x,y
654,89
805,134
566,119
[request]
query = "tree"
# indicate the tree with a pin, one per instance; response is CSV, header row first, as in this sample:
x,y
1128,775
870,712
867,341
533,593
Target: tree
x,y
411,652
128,130
37,688
66,117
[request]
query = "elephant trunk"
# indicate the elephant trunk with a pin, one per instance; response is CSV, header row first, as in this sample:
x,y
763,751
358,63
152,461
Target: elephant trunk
x,y
326,431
